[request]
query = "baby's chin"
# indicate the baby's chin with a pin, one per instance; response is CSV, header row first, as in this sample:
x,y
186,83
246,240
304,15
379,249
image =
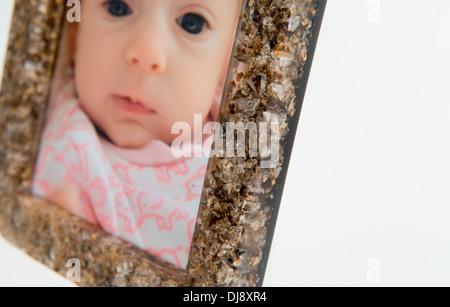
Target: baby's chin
x,y
131,139
132,144
138,139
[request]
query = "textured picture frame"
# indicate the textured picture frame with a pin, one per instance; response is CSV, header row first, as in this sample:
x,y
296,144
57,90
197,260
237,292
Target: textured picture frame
x,y
268,74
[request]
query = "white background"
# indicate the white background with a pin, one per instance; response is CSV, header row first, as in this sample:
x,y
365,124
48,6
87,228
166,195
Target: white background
x,y
367,196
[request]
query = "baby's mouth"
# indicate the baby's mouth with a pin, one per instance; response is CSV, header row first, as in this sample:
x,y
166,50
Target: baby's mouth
x,y
128,105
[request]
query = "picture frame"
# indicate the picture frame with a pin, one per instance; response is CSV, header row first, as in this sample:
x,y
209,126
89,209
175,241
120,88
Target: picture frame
x,y
275,44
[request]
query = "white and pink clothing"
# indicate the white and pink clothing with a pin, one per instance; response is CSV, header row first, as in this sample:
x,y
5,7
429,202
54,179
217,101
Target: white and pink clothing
x,y
146,196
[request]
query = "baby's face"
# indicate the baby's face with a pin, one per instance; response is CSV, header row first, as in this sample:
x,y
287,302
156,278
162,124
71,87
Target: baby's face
x,y
142,65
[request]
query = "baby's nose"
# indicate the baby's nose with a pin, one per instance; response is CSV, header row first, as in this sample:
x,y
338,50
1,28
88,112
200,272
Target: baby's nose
x,y
147,52
154,65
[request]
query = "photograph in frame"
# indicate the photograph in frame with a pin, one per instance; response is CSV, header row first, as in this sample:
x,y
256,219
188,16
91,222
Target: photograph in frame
x,y
128,130
238,191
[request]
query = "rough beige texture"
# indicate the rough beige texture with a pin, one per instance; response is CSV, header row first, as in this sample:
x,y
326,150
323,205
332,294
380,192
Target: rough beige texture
x,y
231,232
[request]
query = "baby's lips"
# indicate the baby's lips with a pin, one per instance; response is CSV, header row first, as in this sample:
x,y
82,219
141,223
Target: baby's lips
x,y
128,104
142,102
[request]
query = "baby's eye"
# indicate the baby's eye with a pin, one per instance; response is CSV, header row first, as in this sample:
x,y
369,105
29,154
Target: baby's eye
x,y
118,8
192,23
